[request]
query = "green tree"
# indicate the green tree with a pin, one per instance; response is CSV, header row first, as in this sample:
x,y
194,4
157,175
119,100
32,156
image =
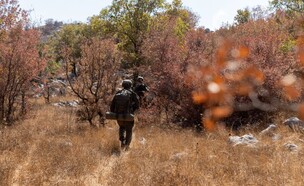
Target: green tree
x,y
71,36
289,5
184,18
127,21
243,16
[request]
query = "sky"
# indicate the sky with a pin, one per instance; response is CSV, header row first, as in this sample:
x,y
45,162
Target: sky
x,y
213,13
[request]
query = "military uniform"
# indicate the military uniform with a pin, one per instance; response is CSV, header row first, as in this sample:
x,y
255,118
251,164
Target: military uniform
x,y
126,127
140,88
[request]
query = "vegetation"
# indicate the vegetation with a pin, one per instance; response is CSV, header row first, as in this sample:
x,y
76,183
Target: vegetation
x,y
96,82
194,73
231,81
19,60
49,149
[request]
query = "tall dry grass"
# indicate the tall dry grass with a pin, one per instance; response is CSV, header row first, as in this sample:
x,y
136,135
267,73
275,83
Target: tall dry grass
x,y
51,148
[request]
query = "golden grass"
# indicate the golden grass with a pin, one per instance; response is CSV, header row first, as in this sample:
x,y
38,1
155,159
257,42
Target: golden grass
x,y
51,148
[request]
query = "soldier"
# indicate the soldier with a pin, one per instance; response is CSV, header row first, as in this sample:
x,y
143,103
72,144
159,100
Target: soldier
x,y
140,88
125,102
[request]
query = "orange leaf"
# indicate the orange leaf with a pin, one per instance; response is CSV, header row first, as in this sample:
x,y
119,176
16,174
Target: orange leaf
x,y
221,62
259,76
209,124
301,57
222,52
291,93
243,89
300,41
234,77
199,98
255,73
244,52
218,79
301,111
221,112
221,56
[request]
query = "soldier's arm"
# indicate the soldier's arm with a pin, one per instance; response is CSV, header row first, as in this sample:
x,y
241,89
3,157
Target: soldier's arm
x,y
112,107
135,99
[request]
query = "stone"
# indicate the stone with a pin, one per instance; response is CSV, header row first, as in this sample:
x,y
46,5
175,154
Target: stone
x,y
247,139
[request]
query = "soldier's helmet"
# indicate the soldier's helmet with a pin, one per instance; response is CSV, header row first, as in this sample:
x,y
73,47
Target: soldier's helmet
x,y
140,78
126,84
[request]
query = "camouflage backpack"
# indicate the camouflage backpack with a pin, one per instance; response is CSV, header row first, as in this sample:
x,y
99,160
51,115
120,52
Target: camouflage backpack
x,y
123,102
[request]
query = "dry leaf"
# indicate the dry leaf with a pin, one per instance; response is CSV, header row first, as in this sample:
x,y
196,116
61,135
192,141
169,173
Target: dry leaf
x,y
243,89
244,52
209,124
221,112
199,98
255,73
301,57
301,111
291,93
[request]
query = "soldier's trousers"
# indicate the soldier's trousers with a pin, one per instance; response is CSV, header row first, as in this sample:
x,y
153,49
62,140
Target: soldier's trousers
x,y
125,132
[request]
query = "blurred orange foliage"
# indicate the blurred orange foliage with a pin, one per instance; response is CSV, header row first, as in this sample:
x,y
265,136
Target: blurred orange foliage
x,y
301,111
291,93
199,98
209,124
221,112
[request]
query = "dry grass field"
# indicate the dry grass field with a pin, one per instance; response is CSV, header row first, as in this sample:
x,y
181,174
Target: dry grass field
x,y
51,148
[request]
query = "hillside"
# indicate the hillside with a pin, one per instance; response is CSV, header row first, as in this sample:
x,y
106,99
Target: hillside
x,y
51,148
223,107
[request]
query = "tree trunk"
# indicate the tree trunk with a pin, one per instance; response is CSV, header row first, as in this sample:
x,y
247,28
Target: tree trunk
x,y
23,103
2,109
